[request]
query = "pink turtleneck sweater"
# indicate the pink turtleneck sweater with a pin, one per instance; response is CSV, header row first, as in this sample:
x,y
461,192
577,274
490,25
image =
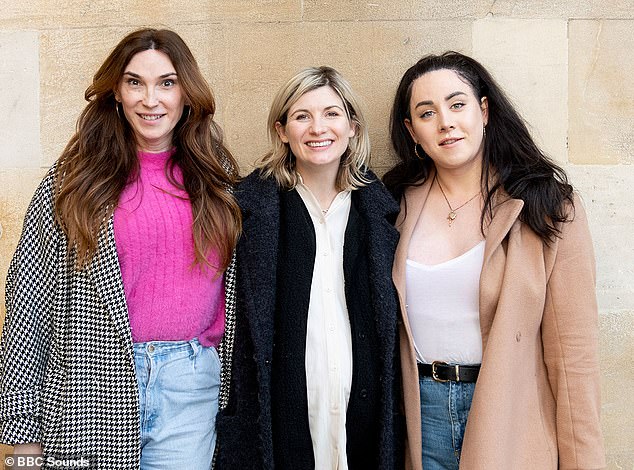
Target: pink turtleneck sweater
x,y
169,298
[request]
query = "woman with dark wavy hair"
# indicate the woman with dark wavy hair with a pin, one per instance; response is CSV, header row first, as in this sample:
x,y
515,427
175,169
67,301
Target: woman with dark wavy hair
x,y
115,295
496,277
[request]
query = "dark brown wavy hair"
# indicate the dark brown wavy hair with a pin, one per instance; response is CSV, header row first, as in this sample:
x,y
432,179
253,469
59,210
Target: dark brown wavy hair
x,y
511,158
101,158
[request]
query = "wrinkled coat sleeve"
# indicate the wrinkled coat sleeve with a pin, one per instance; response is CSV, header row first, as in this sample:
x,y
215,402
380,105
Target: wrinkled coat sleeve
x,y
570,339
26,335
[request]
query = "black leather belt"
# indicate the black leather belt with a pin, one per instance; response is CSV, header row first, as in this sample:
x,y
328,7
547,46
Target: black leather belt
x,y
443,372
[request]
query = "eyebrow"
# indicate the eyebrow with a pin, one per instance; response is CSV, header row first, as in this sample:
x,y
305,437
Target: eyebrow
x,y
136,75
447,98
325,109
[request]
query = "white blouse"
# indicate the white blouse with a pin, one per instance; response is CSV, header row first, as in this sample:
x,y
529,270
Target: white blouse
x,y
328,336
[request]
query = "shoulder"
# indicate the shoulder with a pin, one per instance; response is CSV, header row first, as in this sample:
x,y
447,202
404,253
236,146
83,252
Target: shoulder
x,y
414,195
42,203
258,198
374,198
256,181
49,181
575,232
571,246
576,210
576,228
255,190
418,189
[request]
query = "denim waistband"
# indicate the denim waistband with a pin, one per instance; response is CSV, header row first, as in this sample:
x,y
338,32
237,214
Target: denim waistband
x,y
164,348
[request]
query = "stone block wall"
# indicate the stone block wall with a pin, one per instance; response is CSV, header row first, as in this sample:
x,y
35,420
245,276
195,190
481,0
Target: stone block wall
x,y
566,64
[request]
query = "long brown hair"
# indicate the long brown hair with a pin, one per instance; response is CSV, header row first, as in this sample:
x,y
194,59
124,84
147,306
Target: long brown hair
x,y
101,158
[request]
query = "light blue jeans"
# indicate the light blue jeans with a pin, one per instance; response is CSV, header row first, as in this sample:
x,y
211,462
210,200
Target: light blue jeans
x,y
444,411
179,383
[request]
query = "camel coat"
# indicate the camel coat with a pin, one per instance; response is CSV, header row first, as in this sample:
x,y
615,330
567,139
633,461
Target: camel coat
x,y
536,403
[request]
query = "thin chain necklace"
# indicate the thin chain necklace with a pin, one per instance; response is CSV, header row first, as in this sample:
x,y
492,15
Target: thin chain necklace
x,y
452,212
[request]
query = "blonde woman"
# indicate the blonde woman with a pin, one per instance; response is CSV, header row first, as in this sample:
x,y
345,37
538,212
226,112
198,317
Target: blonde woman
x,y
315,381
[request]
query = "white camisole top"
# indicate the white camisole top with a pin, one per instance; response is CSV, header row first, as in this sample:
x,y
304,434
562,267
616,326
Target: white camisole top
x,y
443,308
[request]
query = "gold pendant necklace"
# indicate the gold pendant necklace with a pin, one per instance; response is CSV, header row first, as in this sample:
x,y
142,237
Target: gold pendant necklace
x,y
452,212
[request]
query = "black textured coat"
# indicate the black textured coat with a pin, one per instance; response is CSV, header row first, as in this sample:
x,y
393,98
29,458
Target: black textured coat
x,y
267,388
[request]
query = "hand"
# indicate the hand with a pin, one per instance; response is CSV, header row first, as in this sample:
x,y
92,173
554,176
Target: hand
x,y
34,449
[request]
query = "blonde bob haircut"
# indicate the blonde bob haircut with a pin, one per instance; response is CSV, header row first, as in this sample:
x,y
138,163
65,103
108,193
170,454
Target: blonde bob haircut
x,y
279,162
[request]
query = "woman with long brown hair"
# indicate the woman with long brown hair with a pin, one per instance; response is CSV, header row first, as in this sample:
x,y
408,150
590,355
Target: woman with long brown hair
x,y
116,293
495,274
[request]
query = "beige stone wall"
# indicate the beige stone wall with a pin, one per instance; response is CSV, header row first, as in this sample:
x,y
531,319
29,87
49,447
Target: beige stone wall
x,y
567,64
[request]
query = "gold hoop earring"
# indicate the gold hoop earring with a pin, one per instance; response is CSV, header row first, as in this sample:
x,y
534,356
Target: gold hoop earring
x,y
416,151
189,111
116,108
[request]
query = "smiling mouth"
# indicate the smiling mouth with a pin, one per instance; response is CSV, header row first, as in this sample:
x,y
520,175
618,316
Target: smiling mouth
x,y
151,117
323,143
450,141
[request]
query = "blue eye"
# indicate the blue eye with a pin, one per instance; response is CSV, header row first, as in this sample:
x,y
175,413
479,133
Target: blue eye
x,y
457,105
426,114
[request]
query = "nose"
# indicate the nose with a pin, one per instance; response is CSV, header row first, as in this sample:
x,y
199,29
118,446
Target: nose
x,y
150,99
445,121
317,126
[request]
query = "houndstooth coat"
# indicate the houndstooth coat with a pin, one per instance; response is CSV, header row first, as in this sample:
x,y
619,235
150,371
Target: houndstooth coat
x,y
67,375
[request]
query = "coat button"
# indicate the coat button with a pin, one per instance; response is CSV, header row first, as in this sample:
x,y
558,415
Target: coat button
x,y
363,393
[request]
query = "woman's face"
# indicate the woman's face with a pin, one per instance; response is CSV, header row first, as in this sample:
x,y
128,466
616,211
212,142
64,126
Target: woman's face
x,y
317,130
152,99
447,119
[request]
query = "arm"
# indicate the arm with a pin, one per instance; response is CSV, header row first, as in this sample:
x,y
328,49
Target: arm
x,y
26,335
570,339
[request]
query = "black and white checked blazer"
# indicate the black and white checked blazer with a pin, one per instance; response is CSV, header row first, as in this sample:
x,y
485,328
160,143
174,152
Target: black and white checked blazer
x,y
67,375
